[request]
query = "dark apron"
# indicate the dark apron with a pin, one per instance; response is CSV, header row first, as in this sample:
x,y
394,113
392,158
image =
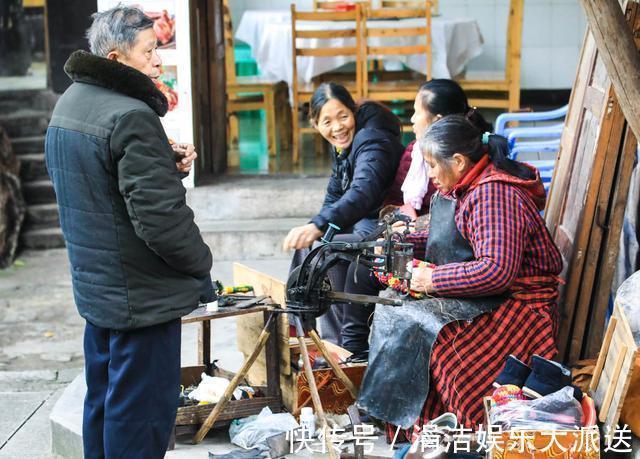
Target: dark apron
x,y
396,383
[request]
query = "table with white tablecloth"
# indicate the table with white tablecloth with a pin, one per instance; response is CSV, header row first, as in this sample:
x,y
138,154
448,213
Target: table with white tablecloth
x,y
455,41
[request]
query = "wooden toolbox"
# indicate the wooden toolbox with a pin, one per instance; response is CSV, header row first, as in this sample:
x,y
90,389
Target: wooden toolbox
x,y
190,418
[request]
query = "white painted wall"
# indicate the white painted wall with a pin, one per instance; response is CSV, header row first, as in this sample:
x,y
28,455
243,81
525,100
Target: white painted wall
x,y
551,37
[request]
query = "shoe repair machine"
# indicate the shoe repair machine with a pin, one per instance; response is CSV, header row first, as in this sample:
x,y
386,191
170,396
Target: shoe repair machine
x,y
309,295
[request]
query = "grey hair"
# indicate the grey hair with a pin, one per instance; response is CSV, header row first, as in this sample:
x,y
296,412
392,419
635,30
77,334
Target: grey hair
x,y
116,29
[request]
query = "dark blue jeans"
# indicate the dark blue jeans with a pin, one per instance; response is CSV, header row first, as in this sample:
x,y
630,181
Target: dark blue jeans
x,y
133,383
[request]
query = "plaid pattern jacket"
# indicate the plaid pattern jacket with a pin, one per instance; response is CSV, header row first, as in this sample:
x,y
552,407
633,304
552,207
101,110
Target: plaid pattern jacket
x,y
512,247
499,215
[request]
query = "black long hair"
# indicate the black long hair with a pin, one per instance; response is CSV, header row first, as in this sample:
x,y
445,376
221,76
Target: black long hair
x,y
326,92
368,113
456,134
444,97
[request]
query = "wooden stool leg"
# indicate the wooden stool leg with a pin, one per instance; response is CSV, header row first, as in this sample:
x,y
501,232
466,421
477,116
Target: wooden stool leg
x,y
272,354
295,133
213,416
313,389
204,345
283,117
234,130
334,365
270,117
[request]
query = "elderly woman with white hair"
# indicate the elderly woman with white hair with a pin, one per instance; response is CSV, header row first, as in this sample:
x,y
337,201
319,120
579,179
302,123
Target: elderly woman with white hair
x,y
138,261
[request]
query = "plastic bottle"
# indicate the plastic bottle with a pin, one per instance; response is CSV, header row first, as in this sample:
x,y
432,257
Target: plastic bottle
x,y
307,421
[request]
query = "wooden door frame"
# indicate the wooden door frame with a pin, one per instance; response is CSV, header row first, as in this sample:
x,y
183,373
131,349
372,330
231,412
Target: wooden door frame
x,y
208,89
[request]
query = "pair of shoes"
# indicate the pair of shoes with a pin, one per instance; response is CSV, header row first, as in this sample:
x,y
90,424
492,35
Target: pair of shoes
x,y
547,377
542,378
514,373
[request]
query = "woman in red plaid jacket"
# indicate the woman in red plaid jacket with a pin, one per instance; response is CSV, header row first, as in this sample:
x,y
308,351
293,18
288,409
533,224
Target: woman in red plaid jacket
x,y
495,205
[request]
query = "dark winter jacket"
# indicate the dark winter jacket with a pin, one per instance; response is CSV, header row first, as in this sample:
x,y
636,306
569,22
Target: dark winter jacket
x,y
362,174
137,257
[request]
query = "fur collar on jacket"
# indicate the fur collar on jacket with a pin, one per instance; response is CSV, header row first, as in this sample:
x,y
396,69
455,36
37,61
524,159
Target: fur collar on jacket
x,y
88,68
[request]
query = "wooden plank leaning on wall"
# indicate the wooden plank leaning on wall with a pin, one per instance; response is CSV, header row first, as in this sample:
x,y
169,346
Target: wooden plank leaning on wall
x,y
618,46
580,213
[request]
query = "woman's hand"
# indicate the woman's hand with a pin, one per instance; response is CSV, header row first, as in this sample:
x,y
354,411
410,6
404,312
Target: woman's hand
x,y
301,237
185,155
377,250
421,280
400,227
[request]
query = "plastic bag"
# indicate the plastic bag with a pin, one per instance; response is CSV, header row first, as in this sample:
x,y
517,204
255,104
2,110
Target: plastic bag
x,y
559,410
251,432
211,389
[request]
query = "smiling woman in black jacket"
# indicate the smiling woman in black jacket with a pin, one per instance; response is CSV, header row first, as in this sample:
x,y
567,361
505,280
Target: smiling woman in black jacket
x,y
366,141
366,152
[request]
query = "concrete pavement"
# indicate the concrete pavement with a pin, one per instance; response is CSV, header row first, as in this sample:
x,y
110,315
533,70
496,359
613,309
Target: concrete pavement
x,y
41,345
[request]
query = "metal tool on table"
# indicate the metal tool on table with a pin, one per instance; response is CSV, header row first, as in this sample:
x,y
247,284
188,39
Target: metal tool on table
x,y
309,295
243,301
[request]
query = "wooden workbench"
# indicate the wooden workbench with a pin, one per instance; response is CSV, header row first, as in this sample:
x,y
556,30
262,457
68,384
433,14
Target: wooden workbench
x,y
189,418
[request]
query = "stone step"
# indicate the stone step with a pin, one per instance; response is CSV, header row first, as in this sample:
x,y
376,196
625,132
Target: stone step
x,y
28,145
66,421
25,122
233,240
41,239
32,167
41,216
240,198
39,192
10,101
229,241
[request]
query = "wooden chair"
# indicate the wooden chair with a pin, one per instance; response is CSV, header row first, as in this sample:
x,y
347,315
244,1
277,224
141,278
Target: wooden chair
x,y
315,30
395,86
501,90
435,4
319,5
253,93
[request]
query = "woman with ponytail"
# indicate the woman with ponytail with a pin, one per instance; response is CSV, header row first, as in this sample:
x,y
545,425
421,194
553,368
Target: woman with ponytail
x,y
489,290
411,189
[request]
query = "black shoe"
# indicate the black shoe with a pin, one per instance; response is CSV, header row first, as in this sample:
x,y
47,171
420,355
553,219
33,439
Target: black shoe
x,y
359,357
514,372
546,377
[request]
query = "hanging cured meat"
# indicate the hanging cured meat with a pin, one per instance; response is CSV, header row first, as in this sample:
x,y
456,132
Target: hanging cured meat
x,y
169,93
164,26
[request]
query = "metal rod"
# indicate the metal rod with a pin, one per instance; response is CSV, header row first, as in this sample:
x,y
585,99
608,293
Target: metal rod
x,y
315,396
